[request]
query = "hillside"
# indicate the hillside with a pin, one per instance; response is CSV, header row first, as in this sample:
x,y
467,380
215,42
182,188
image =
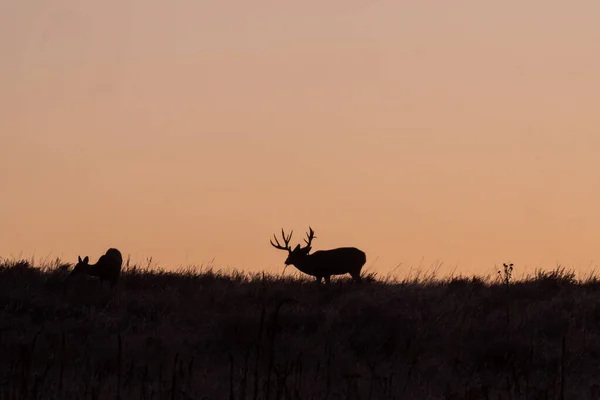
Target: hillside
x,y
206,335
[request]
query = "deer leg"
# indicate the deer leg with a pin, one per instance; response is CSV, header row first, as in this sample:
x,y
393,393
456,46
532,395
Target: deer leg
x,y
319,279
356,277
327,279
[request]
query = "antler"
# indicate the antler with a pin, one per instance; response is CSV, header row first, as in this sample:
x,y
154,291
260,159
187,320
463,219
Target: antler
x,y
286,240
310,235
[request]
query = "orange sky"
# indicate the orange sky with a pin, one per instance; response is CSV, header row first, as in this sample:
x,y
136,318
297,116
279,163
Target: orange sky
x,y
458,132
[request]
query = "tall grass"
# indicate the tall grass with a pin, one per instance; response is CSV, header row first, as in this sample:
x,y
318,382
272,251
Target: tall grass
x,y
206,334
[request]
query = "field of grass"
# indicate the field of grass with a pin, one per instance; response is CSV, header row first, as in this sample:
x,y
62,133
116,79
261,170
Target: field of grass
x,y
209,335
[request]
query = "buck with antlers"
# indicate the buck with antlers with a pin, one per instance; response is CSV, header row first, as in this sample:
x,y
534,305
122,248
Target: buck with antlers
x,y
323,263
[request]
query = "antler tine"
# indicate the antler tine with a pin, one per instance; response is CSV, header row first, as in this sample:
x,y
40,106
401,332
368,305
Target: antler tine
x,y
277,245
288,238
311,236
286,241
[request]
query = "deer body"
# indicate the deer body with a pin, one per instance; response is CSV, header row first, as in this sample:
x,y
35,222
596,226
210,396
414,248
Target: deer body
x,y
108,267
340,261
323,263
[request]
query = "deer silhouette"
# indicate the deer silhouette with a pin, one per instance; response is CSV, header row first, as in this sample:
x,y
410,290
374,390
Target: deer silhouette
x,y
323,263
108,267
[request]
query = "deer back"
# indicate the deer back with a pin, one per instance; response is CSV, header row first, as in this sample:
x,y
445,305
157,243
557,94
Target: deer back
x,y
336,261
108,265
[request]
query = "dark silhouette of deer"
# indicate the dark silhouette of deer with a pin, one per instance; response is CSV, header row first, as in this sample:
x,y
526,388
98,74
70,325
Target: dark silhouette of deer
x,y
108,267
323,263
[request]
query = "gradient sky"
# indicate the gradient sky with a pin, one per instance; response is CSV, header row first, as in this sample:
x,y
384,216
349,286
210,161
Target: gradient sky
x,y
464,132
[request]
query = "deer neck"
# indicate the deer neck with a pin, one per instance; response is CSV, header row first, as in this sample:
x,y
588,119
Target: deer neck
x,y
305,265
93,269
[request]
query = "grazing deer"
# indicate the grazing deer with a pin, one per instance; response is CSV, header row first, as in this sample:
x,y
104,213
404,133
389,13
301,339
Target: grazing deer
x,y
322,263
108,267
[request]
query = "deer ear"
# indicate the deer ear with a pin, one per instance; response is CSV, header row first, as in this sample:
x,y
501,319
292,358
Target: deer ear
x,y
86,259
297,247
79,257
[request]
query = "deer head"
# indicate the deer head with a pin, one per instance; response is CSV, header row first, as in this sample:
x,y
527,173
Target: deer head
x,y
82,265
299,252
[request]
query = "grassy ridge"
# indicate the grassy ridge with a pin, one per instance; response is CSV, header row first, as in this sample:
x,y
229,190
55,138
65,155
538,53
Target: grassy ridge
x,y
207,335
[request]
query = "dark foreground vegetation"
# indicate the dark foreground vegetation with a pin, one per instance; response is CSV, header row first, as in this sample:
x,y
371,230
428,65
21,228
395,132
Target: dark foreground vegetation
x,y
206,335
